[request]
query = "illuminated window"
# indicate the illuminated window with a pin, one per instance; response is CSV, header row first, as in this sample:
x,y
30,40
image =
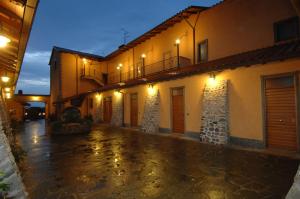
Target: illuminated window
x,y
203,51
287,29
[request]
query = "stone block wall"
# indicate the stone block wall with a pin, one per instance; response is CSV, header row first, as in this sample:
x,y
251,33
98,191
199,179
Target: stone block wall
x,y
214,118
294,192
117,111
151,116
99,112
7,161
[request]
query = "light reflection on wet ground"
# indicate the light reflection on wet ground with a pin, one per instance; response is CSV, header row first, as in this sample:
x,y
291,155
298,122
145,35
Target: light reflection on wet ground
x,y
114,163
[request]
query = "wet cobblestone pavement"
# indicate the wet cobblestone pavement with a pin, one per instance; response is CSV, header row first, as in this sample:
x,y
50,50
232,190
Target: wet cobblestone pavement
x,y
114,163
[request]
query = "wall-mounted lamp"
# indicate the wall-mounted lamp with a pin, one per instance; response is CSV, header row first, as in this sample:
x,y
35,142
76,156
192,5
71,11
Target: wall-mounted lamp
x,y
7,89
177,41
143,55
98,96
212,79
151,89
84,60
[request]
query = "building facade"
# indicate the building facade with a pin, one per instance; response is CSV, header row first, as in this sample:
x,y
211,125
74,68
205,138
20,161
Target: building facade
x,y
225,74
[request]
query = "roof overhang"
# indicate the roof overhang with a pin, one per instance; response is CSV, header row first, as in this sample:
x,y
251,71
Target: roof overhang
x,y
16,18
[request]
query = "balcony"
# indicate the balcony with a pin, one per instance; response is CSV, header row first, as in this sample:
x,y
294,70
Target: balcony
x,y
91,73
140,71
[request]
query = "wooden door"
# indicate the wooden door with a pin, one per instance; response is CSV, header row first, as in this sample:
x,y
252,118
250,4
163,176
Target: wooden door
x,y
281,126
107,109
177,110
134,109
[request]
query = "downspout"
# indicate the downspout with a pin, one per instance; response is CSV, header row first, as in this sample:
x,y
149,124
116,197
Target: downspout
x,y
296,5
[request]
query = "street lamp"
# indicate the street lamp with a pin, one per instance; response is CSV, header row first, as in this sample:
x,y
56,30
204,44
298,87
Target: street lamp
x,y
177,43
119,67
143,63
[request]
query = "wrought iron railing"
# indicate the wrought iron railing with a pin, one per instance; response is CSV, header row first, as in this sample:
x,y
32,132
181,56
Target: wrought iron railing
x,y
140,71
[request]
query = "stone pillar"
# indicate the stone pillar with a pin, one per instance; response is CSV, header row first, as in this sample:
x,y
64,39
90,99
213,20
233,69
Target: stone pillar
x,y
99,111
151,116
117,110
214,118
7,162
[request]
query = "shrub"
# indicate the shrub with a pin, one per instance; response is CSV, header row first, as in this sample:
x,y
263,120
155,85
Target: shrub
x,y
71,115
89,117
4,187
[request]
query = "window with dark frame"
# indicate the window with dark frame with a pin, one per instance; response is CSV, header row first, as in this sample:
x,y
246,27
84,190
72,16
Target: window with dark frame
x,y
286,30
203,51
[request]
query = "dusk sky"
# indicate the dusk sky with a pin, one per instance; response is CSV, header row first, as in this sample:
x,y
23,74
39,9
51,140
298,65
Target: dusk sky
x,y
93,26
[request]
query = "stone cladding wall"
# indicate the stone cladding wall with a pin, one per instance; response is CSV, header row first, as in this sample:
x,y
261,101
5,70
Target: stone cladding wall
x,y
214,118
117,111
8,165
151,116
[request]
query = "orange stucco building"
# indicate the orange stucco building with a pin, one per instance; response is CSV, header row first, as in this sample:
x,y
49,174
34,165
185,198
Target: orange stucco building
x,y
225,74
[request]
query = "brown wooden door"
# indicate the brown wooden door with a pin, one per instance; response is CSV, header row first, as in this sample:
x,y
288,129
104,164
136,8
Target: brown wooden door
x,y
281,113
134,109
177,110
107,110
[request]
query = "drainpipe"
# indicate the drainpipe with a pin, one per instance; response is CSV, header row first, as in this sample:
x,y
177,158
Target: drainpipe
x,y
296,5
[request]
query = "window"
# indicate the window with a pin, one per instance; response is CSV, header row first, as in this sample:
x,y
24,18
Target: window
x,y
287,29
202,51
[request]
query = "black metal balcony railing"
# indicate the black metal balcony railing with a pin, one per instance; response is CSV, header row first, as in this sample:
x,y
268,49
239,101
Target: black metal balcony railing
x,y
140,71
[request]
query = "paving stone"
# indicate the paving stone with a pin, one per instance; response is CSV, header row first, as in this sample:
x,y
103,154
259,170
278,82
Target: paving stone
x,y
120,163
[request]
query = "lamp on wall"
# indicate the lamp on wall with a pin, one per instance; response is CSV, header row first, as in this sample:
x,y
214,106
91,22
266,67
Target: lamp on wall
x,y
212,79
151,89
7,89
143,56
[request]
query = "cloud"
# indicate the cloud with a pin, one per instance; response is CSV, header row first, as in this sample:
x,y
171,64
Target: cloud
x,y
44,82
37,57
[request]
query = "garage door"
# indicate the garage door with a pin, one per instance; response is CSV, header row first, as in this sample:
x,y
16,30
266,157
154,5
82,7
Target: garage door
x,y
177,110
134,109
281,113
107,109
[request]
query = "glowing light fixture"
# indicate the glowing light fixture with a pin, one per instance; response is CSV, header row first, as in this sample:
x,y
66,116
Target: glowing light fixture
x,y
151,90
5,79
7,89
143,55
177,41
4,41
118,93
84,60
35,98
212,79
98,97
119,66
8,95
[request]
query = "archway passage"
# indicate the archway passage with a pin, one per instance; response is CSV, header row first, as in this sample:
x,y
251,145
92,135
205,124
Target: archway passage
x,y
16,105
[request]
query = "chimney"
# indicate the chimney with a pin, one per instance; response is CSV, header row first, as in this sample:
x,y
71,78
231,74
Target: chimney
x,y
296,4
20,92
